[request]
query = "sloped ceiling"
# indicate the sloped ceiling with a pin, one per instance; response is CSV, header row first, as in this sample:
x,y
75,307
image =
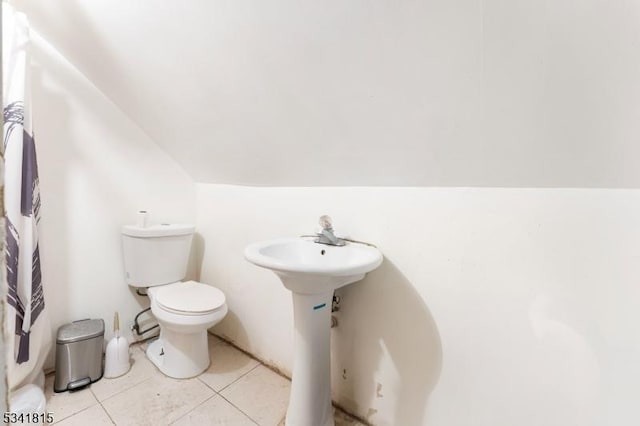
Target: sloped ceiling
x,y
369,92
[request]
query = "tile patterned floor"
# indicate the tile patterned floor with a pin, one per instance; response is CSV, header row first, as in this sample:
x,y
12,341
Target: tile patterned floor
x,y
236,390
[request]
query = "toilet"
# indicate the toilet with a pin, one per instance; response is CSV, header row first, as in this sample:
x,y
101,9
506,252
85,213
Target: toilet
x,y
156,258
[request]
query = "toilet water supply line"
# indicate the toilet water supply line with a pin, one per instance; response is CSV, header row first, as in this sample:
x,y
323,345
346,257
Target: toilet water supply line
x,y
335,307
142,222
136,326
335,304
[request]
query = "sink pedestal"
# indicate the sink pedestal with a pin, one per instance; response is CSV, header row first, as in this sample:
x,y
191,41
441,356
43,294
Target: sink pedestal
x,y
310,401
312,272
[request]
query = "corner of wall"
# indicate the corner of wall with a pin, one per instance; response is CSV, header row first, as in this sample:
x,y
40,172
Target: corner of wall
x,y
4,384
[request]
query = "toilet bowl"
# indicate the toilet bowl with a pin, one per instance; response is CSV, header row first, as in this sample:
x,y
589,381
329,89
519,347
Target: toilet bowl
x,y
184,310
156,258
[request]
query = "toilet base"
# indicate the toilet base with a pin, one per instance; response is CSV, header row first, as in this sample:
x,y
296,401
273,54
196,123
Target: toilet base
x,y
180,355
182,350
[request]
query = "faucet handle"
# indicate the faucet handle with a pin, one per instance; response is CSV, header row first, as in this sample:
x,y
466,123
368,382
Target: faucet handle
x,y
325,222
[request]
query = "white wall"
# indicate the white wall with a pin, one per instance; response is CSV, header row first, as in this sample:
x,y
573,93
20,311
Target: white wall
x,y
494,307
97,169
515,93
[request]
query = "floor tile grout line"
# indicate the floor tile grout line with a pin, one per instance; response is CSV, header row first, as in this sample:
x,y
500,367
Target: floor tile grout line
x,y
102,406
107,413
124,390
238,408
273,369
206,384
252,356
128,387
65,393
223,342
214,391
74,414
259,363
240,377
121,390
194,408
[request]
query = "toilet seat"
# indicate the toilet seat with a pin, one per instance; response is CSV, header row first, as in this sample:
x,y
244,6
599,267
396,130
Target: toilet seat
x,y
189,298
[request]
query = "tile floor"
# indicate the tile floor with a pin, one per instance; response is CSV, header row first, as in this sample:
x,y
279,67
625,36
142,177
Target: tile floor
x,y
236,390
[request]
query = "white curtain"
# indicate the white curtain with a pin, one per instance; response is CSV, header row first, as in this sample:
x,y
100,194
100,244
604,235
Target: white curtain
x,y
27,326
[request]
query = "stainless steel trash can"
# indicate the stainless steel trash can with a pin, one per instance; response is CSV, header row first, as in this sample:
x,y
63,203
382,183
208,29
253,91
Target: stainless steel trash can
x,y
79,348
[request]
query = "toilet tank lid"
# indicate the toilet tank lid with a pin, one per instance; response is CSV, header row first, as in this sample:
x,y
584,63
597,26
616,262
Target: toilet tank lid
x,y
162,230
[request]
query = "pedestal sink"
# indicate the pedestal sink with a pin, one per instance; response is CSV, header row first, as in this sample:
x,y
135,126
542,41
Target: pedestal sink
x,y
312,272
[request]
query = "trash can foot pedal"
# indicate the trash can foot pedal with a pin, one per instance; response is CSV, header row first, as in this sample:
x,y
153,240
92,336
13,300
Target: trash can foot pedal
x,y
79,383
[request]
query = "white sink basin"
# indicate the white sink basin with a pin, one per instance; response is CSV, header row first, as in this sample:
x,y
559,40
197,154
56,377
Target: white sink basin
x,y
308,267
312,272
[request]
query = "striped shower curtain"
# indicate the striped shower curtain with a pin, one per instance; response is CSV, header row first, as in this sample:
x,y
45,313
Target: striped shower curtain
x,y
26,318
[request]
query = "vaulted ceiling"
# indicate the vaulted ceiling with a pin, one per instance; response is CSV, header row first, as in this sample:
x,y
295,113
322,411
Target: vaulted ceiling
x,y
369,92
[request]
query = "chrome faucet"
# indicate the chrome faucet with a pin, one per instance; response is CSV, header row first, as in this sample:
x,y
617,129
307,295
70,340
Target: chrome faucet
x,y
326,235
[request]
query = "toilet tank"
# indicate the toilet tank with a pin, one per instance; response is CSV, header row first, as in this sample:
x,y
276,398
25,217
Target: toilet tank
x,y
156,255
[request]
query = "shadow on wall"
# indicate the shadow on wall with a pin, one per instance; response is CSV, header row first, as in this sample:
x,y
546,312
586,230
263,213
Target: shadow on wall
x,y
55,27
197,256
231,321
55,202
236,329
386,349
70,162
